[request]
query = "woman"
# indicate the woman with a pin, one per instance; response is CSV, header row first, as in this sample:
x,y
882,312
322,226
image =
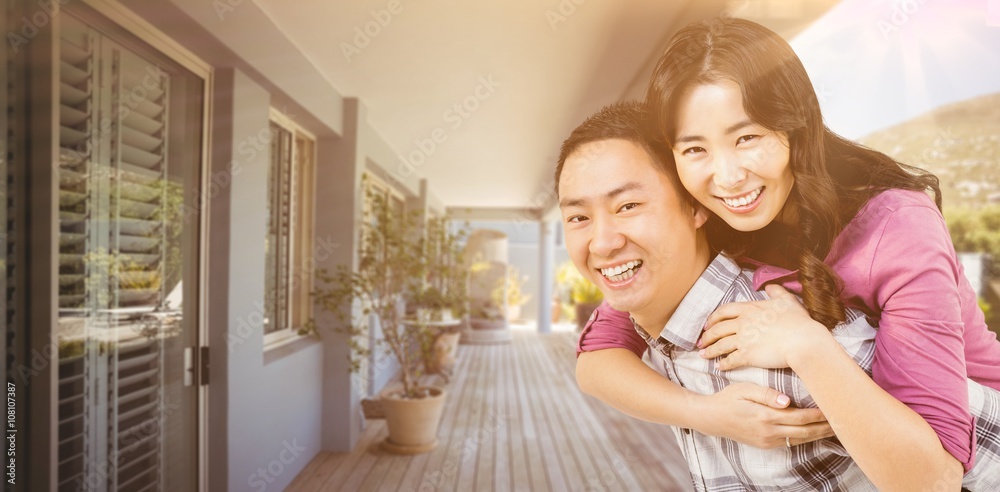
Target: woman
x,y
847,224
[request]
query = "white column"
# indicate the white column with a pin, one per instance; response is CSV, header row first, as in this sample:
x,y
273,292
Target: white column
x,y
546,270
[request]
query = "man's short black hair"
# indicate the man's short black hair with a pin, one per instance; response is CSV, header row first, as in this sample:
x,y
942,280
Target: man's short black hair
x,y
627,121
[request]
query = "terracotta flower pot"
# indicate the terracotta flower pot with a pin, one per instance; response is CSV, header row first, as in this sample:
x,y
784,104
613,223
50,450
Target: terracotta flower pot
x,y
446,350
513,312
441,358
583,312
413,423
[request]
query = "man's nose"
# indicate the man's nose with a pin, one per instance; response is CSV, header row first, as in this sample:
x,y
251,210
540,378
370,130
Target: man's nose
x,y
607,238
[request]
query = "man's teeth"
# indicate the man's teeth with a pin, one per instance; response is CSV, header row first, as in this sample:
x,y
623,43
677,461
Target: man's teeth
x,y
744,200
621,272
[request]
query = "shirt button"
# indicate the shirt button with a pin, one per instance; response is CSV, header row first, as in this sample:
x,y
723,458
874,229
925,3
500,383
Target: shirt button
x,y
687,431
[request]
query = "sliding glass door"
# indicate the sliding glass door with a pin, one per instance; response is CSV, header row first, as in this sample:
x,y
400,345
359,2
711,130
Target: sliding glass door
x,y
130,138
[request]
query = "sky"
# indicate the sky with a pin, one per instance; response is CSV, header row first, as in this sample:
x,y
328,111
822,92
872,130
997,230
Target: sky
x,y
876,63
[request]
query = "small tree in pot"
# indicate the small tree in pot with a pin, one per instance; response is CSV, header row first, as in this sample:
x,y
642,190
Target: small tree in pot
x,y
390,266
442,296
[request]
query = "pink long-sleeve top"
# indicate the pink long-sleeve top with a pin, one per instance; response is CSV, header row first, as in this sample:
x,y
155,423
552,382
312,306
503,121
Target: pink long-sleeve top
x,y
899,266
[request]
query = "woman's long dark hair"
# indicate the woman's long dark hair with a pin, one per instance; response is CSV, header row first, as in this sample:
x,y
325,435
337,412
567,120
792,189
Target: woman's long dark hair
x,y
834,177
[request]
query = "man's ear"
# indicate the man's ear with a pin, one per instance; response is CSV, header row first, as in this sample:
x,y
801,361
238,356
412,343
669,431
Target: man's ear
x,y
700,215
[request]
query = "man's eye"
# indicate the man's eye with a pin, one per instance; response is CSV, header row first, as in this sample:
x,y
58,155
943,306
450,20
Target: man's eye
x,y
692,151
746,138
576,219
628,206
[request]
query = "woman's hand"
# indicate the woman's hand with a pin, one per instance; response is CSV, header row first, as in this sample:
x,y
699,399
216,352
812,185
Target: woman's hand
x,y
760,417
763,334
744,412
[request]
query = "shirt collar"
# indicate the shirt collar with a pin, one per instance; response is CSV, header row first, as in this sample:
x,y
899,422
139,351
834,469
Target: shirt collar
x,y
684,328
766,274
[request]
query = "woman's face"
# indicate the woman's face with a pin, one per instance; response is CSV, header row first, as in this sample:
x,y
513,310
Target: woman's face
x,y
736,168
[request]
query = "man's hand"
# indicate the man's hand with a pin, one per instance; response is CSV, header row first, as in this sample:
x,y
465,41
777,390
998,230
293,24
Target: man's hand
x,y
760,417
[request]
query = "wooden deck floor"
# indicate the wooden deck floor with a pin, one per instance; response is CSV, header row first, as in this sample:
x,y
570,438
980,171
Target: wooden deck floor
x,y
514,420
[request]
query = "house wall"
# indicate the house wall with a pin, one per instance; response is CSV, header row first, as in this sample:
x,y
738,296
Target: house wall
x,y
272,428
271,410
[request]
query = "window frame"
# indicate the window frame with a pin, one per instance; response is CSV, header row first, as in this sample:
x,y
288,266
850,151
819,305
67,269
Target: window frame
x,y
370,180
301,234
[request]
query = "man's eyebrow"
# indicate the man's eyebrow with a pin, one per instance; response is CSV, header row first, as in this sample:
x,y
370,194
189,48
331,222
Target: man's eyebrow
x,y
695,138
576,202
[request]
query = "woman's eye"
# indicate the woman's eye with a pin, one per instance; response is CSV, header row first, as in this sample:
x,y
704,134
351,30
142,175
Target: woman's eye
x,y
692,151
746,138
628,206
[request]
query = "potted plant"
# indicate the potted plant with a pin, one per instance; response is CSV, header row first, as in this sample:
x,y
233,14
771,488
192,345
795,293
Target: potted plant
x,y
388,268
584,295
508,293
430,304
442,297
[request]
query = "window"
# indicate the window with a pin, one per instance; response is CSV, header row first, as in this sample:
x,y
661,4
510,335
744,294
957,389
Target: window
x,y
288,245
374,186
364,379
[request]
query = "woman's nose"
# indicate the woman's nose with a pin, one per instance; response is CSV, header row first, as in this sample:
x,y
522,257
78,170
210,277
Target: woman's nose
x,y
730,172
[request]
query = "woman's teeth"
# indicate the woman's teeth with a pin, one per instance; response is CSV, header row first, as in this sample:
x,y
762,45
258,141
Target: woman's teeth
x,y
744,200
621,272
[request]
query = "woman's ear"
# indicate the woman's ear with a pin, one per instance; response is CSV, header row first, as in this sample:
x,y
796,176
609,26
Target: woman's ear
x,y
700,215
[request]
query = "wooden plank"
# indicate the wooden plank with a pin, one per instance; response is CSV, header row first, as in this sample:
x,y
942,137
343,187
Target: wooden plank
x,y
388,472
576,464
514,419
484,436
366,462
469,448
612,467
398,468
531,449
646,435
421,472
629,437
560,467
446,460
317,471
504,454
553,357
384,462
375,432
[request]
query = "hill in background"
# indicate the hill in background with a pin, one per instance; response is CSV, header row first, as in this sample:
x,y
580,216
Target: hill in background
x,y
959,142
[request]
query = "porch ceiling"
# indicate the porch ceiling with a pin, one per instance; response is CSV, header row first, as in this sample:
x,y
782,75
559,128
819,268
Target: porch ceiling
x,y
522,75
477,96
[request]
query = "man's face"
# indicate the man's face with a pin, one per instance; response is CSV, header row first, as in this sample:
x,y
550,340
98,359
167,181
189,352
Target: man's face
x,y
626,229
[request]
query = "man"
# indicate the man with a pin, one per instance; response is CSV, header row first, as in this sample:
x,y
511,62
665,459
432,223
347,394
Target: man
x,y
632,230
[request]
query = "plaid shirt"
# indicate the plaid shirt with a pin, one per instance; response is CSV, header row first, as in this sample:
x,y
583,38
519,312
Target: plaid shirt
x,y
720,464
